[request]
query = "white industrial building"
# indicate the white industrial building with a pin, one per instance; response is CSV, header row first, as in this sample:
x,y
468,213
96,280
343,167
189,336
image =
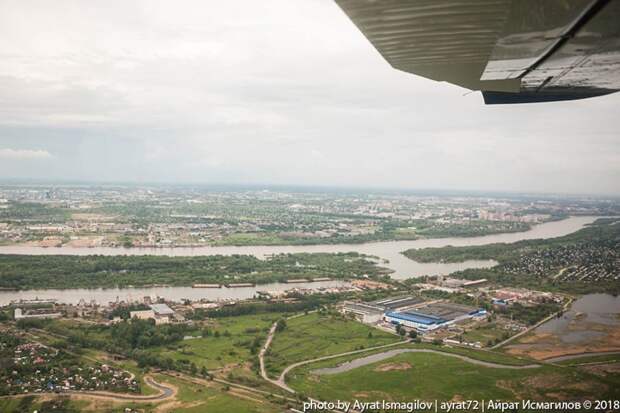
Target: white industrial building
x,y
161,313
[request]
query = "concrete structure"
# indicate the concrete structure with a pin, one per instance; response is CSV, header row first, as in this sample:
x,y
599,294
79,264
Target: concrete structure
x,y
396,303
34,303
366,313
20,315
142,314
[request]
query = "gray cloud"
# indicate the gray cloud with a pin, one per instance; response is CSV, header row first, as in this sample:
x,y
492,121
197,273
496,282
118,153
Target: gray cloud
x,y
271,92
23,154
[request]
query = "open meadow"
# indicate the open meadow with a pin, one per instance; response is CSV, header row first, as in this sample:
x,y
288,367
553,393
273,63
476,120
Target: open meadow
x,y
431,376
317,334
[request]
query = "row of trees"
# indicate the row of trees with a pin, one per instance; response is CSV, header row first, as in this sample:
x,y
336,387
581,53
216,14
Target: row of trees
x,y
71,271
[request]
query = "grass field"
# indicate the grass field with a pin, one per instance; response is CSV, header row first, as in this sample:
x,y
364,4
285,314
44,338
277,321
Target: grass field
x,y
601,358
315,335
483,355
484,334
196,398
433,376
232,347
30,404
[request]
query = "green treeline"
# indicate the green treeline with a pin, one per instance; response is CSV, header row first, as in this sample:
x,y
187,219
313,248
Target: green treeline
x,y
602,230
94,271
537,264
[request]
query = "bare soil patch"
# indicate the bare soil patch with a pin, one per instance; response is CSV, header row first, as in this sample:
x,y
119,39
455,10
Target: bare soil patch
x,y
393,367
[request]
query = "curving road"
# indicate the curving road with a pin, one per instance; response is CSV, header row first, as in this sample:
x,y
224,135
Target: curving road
x,y
164,393
391,353
281,380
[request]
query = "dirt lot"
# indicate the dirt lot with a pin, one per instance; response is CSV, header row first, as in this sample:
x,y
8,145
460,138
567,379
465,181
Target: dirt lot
x,y
393,366
85,242
542,346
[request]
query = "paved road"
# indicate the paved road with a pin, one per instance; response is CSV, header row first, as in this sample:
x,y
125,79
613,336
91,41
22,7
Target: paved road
x,y
282,377
165,393
373,358
281,381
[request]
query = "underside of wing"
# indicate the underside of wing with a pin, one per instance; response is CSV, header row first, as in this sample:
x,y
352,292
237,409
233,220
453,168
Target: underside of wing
x,y
514,51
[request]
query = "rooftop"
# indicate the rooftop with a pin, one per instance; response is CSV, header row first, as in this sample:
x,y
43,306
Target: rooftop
x,y
162,309
417,318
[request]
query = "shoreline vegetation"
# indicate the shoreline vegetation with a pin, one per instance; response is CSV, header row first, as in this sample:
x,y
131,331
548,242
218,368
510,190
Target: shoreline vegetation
x,y
566,263
98,271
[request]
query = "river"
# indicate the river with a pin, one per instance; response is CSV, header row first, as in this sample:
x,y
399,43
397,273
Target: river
x,y
106,295
390,251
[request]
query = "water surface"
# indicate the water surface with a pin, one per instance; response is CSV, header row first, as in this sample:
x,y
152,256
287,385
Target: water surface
x,y
106,295
573,327
390,251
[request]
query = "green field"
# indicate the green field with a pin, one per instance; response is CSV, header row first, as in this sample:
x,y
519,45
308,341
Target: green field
x,y
195,398
433,376
31,403
232,347
600,358
315,335
482,355
485,334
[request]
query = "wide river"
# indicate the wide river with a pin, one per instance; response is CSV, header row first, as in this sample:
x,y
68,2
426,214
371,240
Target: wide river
x,y
391,251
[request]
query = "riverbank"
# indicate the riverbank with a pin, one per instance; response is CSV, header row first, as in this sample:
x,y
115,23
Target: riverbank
x,y
387,251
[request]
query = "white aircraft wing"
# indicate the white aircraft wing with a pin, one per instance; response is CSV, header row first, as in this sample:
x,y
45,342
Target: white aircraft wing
x,y
514,51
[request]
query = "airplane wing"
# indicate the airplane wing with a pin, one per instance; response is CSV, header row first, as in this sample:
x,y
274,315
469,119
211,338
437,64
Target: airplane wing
x,y
514,51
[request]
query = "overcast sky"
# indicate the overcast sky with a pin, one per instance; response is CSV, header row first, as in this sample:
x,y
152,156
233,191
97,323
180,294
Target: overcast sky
x,y
281,92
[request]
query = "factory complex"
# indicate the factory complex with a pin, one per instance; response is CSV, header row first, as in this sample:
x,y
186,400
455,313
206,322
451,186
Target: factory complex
x,y
412,312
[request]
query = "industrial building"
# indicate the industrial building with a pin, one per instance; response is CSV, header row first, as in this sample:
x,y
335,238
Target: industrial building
x,y
365,313
19,314
433,316
395,303
161,313
412,312
374,311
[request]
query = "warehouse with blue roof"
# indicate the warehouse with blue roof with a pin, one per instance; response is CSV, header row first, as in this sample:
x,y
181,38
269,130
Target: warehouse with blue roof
x,y
433,316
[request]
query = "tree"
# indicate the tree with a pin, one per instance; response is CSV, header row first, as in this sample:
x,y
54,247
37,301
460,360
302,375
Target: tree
x,y
370,334
402,332
413,334
281,325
